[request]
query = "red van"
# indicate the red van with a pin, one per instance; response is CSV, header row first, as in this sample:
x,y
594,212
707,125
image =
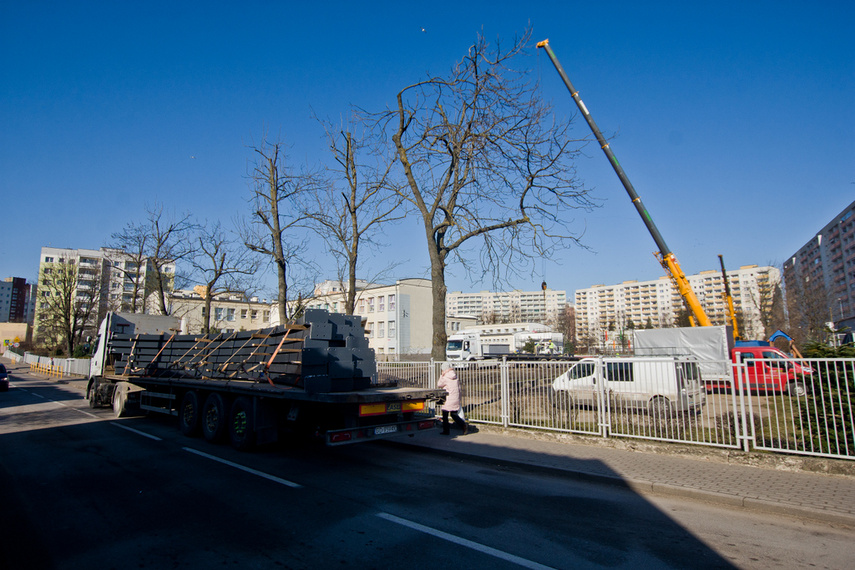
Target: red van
x,y
766,368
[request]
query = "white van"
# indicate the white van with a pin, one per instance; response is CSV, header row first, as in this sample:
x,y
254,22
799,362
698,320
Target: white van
x,y
663,386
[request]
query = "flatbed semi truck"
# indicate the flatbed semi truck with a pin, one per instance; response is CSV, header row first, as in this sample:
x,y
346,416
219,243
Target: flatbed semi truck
x,y
315,377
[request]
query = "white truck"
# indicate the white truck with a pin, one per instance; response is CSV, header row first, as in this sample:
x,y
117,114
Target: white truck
x,y
315,378
725,363
474,345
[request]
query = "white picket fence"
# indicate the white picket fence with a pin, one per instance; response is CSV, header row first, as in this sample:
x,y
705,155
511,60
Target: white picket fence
x,y
819,421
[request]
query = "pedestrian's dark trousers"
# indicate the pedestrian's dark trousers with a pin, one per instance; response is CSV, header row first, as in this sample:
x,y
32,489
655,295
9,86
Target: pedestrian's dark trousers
x,y
458,421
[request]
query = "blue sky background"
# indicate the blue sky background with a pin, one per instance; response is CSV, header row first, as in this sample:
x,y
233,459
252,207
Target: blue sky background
x,y
734,120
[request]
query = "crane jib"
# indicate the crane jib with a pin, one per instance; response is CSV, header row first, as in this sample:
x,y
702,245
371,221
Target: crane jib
x,y
669,261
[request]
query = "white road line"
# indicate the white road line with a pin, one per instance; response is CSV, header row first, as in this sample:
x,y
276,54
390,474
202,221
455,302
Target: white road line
x,y
136,431
84,412
244,468
525,563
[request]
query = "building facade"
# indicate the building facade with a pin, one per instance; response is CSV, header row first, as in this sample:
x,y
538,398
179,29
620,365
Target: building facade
x,y
397,317
605,311
17,300
489,307
228,313
824,268
107,278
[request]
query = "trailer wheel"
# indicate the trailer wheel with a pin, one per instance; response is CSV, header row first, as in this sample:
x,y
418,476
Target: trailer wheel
x,y
242,425
214,418
188,414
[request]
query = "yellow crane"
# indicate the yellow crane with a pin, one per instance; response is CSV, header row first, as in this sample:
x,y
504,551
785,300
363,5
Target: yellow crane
x,y
665,256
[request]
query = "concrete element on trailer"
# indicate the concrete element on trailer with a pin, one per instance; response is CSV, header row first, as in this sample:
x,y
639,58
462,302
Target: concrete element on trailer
x,y
662,386
756,365
313,377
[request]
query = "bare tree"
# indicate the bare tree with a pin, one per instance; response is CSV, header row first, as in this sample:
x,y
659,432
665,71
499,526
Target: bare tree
x,y
276,210
223,267
68,302
486,162
127,255
367,198
169,242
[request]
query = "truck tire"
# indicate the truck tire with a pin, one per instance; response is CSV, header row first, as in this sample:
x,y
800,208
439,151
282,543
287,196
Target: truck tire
x,y
242,424
189,414
214,418
120,400
797,389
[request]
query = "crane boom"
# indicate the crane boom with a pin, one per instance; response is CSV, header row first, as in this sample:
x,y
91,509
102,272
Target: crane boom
x,y
666,257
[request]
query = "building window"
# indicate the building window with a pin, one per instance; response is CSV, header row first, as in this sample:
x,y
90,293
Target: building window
x,y
391,302
360,306
230,315
48,260
371,304
266,316
243,313
218,313
391,330
381,304
253,314
381,330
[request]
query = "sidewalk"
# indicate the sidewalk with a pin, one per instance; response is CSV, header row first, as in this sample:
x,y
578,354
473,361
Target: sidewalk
x,y
780,484
705,476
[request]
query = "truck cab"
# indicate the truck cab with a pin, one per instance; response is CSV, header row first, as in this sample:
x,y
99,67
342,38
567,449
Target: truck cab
x,y
463,346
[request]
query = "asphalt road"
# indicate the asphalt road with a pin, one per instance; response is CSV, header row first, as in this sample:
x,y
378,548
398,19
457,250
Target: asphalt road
x,y
79,489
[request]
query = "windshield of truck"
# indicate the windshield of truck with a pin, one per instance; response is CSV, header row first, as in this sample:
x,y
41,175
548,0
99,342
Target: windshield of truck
x,y
454,345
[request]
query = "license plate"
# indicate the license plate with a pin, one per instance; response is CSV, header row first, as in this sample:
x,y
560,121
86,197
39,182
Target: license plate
x,y
385,429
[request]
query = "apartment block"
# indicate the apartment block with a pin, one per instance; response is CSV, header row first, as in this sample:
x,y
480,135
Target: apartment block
x,y
17,300
109,278
825,265
511,306
604,308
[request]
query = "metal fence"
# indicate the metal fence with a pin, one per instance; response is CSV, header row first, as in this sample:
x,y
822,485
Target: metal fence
x,y
54,367
662,399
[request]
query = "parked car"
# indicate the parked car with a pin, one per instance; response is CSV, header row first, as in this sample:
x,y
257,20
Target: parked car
x,y
661,386
4,378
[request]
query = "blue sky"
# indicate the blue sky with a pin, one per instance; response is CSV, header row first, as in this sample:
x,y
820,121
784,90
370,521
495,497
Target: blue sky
x,y
734,120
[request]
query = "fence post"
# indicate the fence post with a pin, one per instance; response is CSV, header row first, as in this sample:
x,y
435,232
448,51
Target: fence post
x,y
603,403
504,391
742,429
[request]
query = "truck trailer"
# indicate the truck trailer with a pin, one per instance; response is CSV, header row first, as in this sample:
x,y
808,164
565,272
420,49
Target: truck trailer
x,y
315,377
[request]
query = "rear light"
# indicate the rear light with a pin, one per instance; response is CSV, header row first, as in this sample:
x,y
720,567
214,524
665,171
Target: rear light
x,y
427,424
340,437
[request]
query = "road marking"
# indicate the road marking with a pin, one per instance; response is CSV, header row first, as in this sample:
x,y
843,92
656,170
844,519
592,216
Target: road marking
x,y
84,412
136,431
244,468
525,563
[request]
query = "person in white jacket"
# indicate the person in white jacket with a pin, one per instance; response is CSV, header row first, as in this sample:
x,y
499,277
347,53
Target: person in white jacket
x,y
448,382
